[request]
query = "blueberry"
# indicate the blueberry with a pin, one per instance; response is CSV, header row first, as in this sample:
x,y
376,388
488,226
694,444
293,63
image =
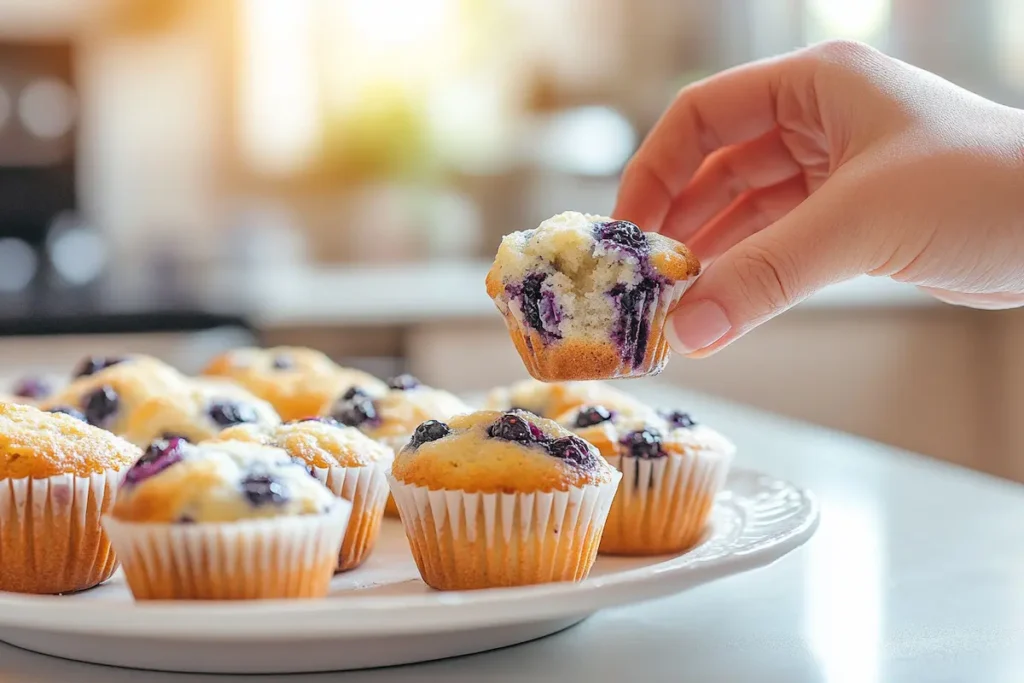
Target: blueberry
x,y
100,405
93,364
355,408
623,234
679,419
431,430
186,519
592,415
227,413
262,489
159,456
571,448
33,387
645,443
512,427
68,410
283,362
632,330
403,382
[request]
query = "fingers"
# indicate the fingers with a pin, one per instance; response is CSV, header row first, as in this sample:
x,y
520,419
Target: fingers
x,y
727,109
725,176
751,213
815,245
993,302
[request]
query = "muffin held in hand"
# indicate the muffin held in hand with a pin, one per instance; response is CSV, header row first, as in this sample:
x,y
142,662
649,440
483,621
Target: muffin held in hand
x,y
349,463
200,412
392,417
501,499
58,476
586,297
225,521
672,468
107,391
296,381
554,399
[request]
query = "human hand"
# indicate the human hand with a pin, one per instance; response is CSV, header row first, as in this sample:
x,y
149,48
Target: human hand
x,y
793,173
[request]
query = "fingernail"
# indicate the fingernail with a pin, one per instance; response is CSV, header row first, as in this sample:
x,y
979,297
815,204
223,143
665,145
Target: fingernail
x,y
696,326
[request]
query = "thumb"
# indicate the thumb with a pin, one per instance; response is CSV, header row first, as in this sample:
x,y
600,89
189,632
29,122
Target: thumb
x,y
815,245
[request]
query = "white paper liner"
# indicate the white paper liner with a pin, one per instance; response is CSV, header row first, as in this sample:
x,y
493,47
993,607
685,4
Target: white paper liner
x,y
395,443
366,488
51,540
281,557
663,503
478,540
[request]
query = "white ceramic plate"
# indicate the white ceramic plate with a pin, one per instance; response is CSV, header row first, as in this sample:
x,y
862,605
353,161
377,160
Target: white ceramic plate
x,y
382,614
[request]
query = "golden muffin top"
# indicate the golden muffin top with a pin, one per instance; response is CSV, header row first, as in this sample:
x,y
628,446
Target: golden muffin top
x,y
296,381
182,483
38,444
318,442
553,399
492,451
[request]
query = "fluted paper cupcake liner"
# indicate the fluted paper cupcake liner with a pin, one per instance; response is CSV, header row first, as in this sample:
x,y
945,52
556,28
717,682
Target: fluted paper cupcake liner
x,y
51,539
463,541
395,443
588,358
282,557
366,488
663,504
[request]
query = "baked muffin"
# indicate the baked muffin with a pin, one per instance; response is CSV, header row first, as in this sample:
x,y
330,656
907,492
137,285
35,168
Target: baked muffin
x,y
206,407
501,499
225,521
672,469
296,381
392,417
586,297
554,399
349,463
58,475
29,390
106,392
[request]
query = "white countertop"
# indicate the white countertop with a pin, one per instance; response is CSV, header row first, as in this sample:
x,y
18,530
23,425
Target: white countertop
x,y
914,577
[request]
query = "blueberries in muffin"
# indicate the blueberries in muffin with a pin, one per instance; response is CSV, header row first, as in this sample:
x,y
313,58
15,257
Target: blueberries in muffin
x,y
592,415
354,408
431,430
632,329
283,362
512,427
100,405
262,489
33,387
622,234
539,306
645,443
678,419
228,413
571,448
93,364
403,382
159,456
68,410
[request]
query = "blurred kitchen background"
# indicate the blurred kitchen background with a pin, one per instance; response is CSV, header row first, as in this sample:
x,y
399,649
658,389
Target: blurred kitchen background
x,y
177,176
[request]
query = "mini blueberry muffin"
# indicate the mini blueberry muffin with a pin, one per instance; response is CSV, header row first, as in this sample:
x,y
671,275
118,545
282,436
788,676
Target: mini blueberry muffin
x,y
554,399
58,475
501,499
586,297
672,470
106,392
296,381
201,412
392,417
225,521
349,463
30,390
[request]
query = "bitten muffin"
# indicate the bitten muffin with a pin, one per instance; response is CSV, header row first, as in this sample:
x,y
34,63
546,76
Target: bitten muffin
x,y
501,499
392,417
349,463
58,475
274,530
296,381
554,399
201,412
586,297
106,392
672,470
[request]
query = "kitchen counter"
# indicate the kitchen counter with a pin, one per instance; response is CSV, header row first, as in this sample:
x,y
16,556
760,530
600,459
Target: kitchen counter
x,y
913,577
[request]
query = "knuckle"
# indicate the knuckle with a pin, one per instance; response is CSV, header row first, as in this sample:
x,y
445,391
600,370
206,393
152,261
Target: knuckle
x,y
842,51
765,280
